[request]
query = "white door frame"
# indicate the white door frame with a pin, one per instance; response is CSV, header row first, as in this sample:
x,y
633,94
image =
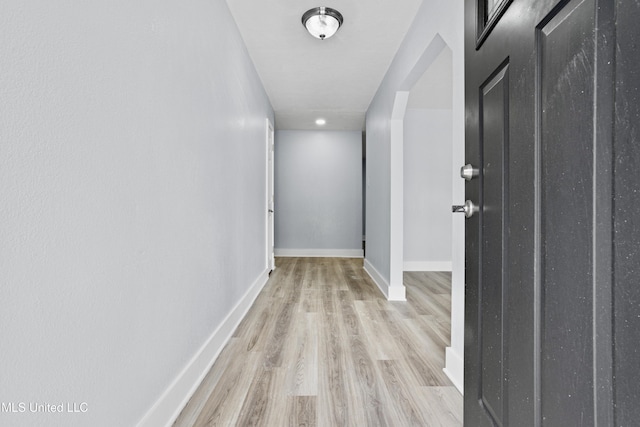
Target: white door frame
x,y
271,265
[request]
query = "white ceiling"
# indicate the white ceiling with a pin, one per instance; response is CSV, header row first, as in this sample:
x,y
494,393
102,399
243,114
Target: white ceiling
x,y
306,78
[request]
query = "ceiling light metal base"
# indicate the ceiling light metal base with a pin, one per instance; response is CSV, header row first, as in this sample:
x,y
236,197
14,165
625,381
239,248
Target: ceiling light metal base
x,y
322,22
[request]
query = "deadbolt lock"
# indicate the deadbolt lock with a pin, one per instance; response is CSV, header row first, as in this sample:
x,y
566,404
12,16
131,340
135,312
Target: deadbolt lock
x,y
468,172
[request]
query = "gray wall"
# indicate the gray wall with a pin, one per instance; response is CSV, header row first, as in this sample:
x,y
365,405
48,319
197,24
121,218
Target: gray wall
x,y
132,198
427,190
434,18
318,192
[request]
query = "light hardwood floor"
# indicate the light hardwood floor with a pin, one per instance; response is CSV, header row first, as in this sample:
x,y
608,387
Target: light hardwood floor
x,y
321,346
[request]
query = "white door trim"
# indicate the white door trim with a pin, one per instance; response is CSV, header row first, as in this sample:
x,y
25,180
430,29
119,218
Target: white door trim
x,y
270,185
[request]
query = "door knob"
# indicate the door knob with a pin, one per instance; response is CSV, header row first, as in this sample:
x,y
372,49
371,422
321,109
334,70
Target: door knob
x,y
469,208
468,172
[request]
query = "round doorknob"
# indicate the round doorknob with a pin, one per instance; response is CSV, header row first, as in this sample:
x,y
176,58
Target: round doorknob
x,y
468,209
468,172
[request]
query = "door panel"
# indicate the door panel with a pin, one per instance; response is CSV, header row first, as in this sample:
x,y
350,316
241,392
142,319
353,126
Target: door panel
x,y
566,53
494,118
626,224
553,257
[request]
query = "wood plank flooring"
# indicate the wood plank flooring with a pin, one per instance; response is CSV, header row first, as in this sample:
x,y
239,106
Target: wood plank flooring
x,y
321,346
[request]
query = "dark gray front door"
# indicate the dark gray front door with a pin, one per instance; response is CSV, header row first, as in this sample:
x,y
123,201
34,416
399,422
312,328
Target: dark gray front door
x,y
552,315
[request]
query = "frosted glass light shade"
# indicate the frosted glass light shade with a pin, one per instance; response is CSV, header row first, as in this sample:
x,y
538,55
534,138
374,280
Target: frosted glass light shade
x,y
322,22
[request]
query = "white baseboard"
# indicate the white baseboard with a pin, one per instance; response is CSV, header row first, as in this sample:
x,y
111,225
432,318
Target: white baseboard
x,y
320,253
454,368
397,293
428,266
377,278
165,411
392,293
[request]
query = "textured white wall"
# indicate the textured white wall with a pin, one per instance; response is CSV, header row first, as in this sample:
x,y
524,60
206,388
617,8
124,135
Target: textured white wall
x,y
427,188
318,191
132,175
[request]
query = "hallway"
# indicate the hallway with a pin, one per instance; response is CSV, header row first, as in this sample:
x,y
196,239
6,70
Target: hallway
x,y
321,346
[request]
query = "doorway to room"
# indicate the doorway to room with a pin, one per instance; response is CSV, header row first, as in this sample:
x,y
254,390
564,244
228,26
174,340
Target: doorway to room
x,y
426,153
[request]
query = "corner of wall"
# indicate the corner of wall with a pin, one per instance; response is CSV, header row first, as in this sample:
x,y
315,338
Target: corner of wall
x,y
397,293
391,293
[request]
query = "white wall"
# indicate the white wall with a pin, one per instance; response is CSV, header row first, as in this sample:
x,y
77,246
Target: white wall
x,y
435,19
318,193
427,190
132,153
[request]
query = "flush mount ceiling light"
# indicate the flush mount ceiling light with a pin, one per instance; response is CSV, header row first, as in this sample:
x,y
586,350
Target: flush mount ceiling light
x,y
322,22
321,122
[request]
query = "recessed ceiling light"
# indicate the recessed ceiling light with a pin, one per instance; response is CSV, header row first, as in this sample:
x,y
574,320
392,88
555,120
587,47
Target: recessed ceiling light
x,y
322,22
321,122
